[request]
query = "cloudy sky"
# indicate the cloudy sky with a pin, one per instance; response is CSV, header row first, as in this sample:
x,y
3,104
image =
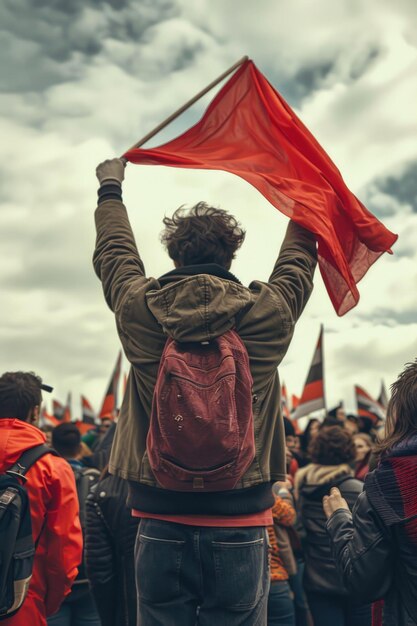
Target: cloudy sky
x,y
83,80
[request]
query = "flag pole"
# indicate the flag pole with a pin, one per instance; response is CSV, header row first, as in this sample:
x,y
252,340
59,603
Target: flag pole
x,y
187,105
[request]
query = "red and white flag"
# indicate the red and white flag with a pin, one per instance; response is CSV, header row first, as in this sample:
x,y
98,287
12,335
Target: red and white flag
x,y
313,398
109,406
250,131
368,406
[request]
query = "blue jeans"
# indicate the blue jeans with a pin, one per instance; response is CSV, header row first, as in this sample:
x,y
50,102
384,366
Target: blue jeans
x,y
280,604
328,610
80,612
302,613
188,575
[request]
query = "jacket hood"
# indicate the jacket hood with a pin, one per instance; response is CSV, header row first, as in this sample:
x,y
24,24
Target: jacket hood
x,y
315,480
16,437
199,307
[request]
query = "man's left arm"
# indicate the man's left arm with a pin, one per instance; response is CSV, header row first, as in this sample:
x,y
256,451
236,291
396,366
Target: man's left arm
x,y
360,546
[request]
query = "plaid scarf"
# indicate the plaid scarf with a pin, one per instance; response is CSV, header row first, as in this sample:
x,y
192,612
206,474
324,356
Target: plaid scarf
x,y
392,487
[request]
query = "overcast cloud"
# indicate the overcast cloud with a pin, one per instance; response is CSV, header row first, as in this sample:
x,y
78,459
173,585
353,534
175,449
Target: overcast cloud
x,y
83,80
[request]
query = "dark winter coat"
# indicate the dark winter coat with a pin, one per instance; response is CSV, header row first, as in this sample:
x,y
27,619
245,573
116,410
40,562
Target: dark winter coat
x,y
110,540
313,483
375,547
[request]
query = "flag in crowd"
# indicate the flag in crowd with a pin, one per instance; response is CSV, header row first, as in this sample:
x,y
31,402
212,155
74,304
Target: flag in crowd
x,y
67,416
368,406
383,396
88,415
109,405
313,398
58,410
47,419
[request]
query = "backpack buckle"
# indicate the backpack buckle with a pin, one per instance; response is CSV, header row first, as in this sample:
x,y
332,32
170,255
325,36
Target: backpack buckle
x,y
18,473
198,482
7,497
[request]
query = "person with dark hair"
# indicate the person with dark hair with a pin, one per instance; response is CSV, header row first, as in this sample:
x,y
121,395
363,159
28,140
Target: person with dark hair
x,y
331,451
199,303
331,420
338,412
53,500
66,439
78,609
352,424
310,431
109,543
375,547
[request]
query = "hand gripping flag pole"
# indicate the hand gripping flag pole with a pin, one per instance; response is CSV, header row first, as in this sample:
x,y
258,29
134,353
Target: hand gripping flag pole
x,y
186,106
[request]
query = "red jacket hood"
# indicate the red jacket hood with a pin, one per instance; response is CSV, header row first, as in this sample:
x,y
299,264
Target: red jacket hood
x,y
16,437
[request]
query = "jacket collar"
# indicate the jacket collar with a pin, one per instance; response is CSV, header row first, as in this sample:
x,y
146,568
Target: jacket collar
x,y
213,269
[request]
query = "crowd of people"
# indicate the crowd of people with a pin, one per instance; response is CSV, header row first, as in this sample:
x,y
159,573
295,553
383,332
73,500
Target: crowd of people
x,y
202,504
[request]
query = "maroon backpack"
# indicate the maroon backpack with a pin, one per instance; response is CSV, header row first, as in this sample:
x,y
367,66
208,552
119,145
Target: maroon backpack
x,y
201,435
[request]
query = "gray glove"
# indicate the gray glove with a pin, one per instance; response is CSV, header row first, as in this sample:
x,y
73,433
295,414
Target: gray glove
x,y
111,170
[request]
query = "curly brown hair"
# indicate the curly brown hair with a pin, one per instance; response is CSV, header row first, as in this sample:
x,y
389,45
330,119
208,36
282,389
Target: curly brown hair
x,y
203,234
332,446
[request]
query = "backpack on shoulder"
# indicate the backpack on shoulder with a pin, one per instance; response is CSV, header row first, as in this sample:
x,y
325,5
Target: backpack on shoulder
x,y
17,548
201,434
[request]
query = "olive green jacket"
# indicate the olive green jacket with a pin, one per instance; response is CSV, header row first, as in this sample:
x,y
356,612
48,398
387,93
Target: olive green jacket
x,y
198,308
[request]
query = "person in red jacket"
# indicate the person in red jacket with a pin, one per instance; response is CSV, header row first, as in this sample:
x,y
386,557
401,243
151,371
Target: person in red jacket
x,y
53,500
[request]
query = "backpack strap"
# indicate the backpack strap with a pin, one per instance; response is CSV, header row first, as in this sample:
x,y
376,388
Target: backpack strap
x,y
27,459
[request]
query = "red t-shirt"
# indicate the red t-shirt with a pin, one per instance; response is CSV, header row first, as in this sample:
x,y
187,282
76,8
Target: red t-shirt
x,y
263,518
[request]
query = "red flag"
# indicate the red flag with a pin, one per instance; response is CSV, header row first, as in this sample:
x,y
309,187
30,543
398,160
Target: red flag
x,y
249,130
109,406
88,413
368,406
312,398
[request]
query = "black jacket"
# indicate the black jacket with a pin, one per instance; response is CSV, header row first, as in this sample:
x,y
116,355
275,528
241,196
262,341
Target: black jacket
x,y
320,573
375,561
110,540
